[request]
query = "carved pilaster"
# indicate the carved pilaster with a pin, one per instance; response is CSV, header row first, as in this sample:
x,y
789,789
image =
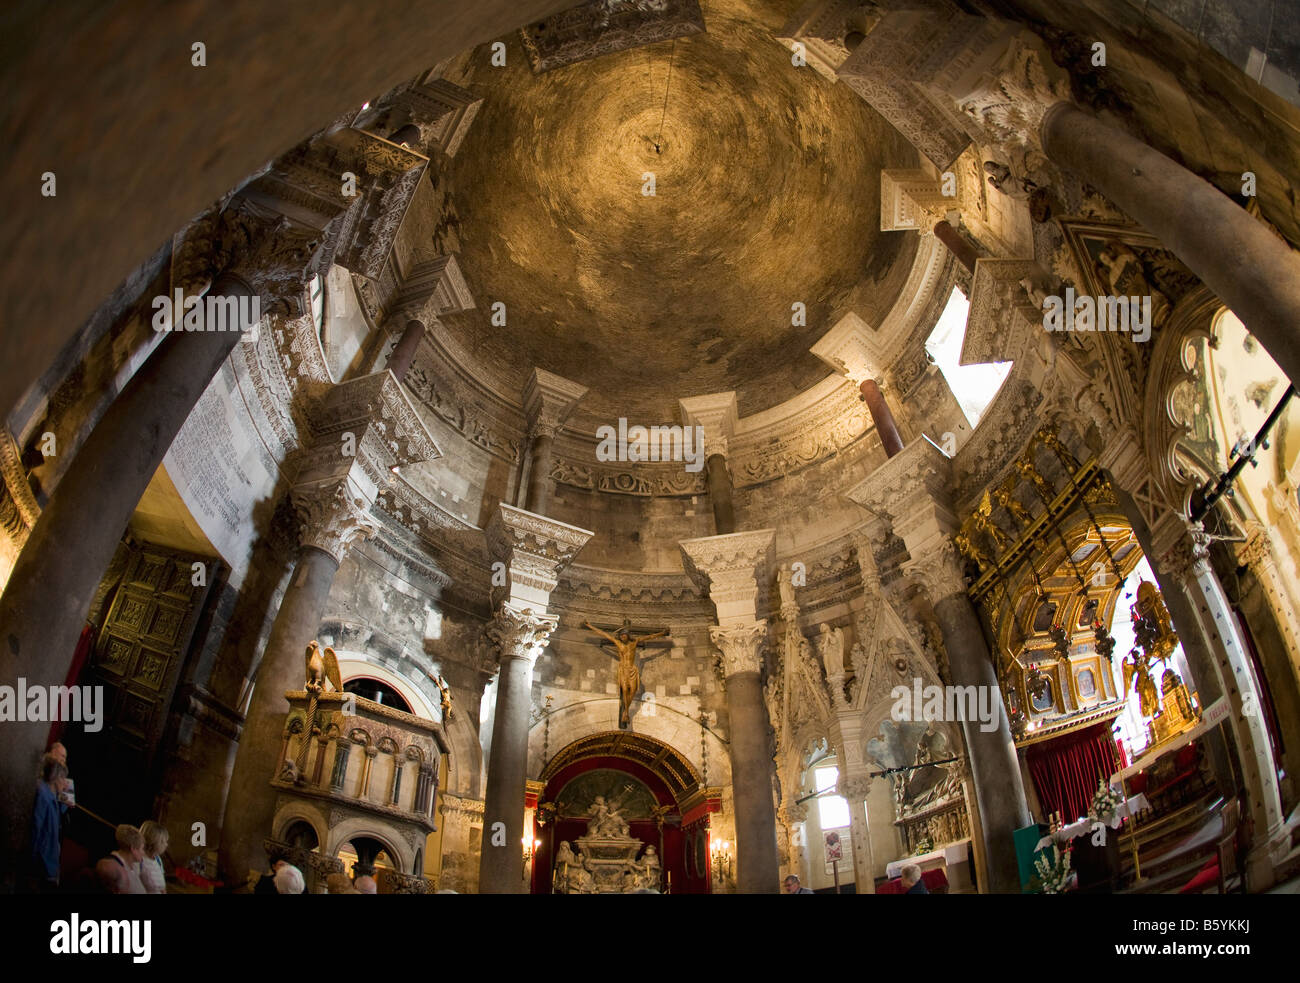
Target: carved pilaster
x,y
741,646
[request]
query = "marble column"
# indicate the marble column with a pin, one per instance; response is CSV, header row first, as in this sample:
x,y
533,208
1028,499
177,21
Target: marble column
x,y
957,245
538,499
1251,270
333,520
718,482
548,401
534,550
403,354
717,416
730,568
1188,563
522,635
44,605
855,789
881,416
913,488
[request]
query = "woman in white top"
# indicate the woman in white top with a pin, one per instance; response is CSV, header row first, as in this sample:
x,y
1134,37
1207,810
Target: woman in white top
x,y
152,873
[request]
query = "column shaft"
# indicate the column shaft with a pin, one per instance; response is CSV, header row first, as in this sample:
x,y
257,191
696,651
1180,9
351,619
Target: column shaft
x,y
718,480
501,868
958,246
44,605
1254,273
250,806
881,416
999,790
757,867
539,474
399,362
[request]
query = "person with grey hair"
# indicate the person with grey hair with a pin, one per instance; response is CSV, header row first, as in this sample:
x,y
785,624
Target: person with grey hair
x,y
912,882
288,880
792,886
366,884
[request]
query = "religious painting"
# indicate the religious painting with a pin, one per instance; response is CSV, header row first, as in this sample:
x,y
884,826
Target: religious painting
x,y
632,798
839,850
1087,683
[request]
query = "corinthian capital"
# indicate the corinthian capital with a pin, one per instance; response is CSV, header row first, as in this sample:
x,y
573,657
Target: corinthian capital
x,y
939,568
333,517
521,633
741,647
1189,556
855,789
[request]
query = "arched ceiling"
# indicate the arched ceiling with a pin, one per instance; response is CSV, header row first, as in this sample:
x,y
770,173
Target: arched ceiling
x,y
767,193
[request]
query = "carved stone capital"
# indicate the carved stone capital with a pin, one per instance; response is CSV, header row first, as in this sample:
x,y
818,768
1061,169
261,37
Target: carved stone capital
x,y
850,347
741,646
333,517
1011,97
1189,556
939,569
1256,553
856,788
433,289
521,633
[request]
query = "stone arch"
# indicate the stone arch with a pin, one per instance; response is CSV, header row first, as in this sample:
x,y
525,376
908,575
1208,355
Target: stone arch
x,y
395,846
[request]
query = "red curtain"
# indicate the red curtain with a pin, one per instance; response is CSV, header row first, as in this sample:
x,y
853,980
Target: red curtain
x,y
1066,770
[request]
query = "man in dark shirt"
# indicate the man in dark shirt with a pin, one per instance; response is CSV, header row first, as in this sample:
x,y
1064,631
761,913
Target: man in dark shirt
x,y
912,881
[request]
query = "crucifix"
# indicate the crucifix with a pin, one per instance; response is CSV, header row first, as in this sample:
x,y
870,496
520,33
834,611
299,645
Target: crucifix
x,y
629,676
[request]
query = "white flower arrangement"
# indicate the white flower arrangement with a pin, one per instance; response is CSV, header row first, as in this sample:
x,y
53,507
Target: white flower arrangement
x,y
1104,803
1054,874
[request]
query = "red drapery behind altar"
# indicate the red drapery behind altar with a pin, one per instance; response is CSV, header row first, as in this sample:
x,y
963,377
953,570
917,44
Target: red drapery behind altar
x,y
1066,770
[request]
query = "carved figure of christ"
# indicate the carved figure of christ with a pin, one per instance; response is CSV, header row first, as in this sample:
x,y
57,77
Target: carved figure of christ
x,y
629,676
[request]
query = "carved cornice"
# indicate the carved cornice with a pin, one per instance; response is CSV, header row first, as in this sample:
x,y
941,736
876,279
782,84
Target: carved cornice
x,y
377,405
602,27
939,570
730,568
919,472
741,646
717,414
512,532
548,401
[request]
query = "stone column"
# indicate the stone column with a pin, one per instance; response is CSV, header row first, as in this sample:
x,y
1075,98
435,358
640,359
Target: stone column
x,y
730,568
535,550
957,245
1252,271
848,349
548,401
881,416
1188,563
717,415
332,520
855,789
403,354
913,489
522,635
44,605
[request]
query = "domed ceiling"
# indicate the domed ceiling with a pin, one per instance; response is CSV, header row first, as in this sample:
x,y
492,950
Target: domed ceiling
x,y
767,193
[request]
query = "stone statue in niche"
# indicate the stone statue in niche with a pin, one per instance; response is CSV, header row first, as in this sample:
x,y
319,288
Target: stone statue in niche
x,y
629,676
785,587
830,646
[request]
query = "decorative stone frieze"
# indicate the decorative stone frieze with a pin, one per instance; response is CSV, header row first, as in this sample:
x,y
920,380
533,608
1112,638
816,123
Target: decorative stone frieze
x,y
602,27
